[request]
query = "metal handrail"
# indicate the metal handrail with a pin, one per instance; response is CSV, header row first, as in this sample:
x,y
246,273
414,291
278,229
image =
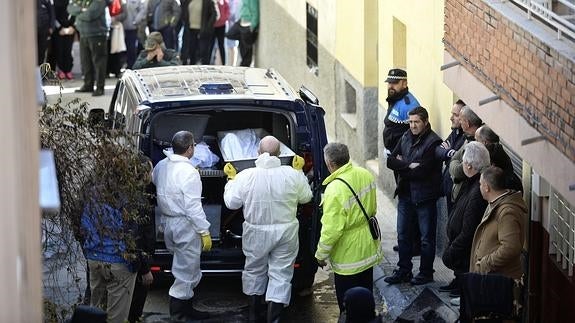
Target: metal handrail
x,y
547,15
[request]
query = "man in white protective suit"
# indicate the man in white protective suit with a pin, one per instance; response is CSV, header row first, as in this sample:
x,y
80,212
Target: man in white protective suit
x,y
269,194
179,192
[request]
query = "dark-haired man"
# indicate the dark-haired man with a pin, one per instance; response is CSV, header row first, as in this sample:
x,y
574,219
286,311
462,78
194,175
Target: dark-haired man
x,y
417,189
396,122
498,240
179,194
470,122
448,148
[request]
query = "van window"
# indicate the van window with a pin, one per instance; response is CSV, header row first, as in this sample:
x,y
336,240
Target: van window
x,y
133,121
120,107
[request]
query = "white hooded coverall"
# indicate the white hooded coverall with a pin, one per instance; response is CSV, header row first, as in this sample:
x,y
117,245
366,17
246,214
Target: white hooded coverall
x,y
179,192
269,194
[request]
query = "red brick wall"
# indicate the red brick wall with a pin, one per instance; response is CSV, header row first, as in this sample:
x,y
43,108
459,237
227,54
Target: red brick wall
x,y
531,77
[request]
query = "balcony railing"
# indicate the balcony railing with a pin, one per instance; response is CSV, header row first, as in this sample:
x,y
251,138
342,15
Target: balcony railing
x,y
562,232
541,10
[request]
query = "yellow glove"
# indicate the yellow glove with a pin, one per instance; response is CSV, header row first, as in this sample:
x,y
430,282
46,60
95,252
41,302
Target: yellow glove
x,y
206,242
297,162
230,170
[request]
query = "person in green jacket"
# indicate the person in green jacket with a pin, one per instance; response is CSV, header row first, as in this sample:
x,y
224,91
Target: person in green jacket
x,y
345,240
249,23
155,53
91,25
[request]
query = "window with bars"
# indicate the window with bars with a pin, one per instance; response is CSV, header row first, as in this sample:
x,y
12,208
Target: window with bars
x,y
311,39
562,232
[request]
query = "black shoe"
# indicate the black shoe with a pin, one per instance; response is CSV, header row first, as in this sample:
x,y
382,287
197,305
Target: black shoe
x,y
421,279
449,287
98,92
178,310
274,312
85,89
455,293
396,248
398,277
257,308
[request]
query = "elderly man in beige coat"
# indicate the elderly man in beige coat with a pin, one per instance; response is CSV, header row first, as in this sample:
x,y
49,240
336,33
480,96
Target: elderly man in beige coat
x,y
498,240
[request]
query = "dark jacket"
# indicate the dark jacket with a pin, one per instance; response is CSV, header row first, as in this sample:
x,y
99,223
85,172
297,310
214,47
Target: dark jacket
x,y
397,119
170,58
421,183
501,159
163,13
209,16
90,22
63,18
45,15
461,224
455,140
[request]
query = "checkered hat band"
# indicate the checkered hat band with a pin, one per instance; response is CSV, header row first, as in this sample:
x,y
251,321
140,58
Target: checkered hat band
x,y
397,77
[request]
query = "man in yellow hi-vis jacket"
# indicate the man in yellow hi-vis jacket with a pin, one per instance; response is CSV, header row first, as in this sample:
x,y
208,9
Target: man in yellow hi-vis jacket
x,y
345,239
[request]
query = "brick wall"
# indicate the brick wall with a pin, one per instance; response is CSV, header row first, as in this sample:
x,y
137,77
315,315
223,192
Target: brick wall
x,y
531,77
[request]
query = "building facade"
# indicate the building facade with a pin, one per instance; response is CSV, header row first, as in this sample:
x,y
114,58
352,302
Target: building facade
x,y
330,47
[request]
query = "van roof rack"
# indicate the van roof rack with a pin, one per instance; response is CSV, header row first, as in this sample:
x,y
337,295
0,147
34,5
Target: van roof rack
x,y
197,82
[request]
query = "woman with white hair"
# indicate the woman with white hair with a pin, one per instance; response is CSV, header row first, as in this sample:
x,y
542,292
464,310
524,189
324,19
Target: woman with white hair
x,y
465,215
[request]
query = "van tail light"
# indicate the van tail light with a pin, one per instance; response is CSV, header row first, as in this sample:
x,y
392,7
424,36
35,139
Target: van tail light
x,y
296,265
308,162
155,269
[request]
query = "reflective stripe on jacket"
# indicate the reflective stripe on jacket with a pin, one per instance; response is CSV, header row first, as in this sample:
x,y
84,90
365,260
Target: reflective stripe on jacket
x,y
345,237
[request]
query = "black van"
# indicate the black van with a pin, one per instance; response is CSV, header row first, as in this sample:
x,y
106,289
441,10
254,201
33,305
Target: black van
x,y
155,103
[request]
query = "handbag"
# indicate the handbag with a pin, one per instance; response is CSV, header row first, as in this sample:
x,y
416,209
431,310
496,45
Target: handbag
x,y
234,32
115,8
371,220
117,40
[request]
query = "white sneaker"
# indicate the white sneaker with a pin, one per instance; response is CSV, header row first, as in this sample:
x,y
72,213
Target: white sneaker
x,y
455,301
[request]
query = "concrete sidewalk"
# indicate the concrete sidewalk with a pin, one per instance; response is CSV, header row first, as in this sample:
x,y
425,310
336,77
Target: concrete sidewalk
x,y
396,298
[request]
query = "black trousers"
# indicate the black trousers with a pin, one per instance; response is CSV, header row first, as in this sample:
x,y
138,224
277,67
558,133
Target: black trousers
x,y
132,43
219,35
247,40
94,57
196,47
42,44
345,282
169,36
62,51
138,300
